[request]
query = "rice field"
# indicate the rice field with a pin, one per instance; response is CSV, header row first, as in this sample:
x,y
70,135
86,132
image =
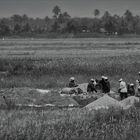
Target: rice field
x,y
55,48
47,64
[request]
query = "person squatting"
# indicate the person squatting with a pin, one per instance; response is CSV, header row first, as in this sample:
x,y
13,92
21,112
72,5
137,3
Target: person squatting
x,y
124,89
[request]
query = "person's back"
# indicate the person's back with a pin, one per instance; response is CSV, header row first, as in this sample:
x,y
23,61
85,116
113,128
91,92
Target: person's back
x,y
107,86
72,84
102,84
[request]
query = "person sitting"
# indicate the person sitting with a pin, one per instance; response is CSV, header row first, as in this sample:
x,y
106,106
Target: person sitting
x,y
72,82
131,89
91,86
123,89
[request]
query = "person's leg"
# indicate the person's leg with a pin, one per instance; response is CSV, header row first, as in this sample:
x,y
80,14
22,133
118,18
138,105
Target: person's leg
x,y
126,95
121,95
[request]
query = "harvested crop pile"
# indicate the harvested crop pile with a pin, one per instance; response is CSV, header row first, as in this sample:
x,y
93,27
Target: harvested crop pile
x,y
105,101
83,87
28,96
68,91
83,100
114,95
129,102
87,99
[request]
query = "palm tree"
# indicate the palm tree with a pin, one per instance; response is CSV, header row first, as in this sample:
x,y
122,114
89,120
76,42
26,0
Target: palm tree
x,y
56,11
96,12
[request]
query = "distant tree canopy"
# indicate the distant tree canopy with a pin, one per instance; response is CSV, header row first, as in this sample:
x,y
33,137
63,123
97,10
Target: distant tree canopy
x,y
61,22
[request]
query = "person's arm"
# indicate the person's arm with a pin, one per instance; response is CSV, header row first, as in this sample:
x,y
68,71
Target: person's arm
x,y
95,90
76,85
88,88
122,85
109,86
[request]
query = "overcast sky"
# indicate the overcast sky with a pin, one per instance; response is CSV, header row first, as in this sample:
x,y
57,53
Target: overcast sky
x,y
82,8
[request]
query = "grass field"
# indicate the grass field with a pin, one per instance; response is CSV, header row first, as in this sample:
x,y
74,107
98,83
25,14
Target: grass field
x,y
48,63
69,125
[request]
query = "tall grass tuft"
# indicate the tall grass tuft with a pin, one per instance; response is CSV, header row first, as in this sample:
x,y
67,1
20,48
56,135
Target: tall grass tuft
x,y
70,125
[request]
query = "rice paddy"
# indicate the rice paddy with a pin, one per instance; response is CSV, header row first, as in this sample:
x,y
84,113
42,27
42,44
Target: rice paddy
x,y
47,64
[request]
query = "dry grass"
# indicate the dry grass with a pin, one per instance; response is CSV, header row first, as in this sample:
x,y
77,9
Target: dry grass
x,y
69,125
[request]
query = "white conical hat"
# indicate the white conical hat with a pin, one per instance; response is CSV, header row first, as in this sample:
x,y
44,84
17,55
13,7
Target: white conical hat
x,y
72,78
131,84
91,79
102,77
105,78
120,80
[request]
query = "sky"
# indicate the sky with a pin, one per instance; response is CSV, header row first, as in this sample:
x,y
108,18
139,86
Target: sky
x,y
76,8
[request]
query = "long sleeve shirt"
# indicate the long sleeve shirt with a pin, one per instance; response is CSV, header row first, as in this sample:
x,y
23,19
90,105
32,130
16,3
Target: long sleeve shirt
x,y
123,87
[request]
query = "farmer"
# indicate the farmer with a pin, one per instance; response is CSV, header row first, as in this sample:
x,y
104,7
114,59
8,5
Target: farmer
x,y
139,76
72,82
138,83
138,92
105,84
106,87
102,83
91,86
123,89
131,89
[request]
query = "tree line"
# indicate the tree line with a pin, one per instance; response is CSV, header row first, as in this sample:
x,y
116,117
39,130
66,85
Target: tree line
x,y
63,23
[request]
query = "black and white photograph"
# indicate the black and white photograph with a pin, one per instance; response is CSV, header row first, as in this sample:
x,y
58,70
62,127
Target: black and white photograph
x,y
69,69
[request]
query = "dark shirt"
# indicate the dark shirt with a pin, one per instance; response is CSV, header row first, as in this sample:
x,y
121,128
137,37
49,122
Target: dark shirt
x,y
72,84
91,87
131,90
105,86
102,84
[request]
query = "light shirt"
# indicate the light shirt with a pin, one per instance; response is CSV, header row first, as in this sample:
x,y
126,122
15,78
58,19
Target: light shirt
x,y
123,87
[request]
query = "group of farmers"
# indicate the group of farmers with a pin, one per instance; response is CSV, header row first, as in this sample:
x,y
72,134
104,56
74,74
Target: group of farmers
x,y
124,89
